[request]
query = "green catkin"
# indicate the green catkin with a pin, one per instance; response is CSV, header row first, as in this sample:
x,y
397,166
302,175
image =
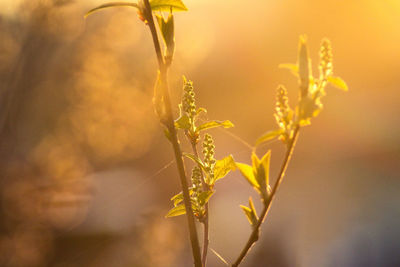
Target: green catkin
x,y
325,67
282,108
188,100
196,180
208,152
283,112
197,189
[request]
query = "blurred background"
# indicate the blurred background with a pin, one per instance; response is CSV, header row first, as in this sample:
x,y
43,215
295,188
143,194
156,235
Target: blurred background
x,y
86,173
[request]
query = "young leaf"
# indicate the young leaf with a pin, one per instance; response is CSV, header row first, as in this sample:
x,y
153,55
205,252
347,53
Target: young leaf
x,y
249,215
113,4
265,163
176,211
213,124
338,83
262,175
223,167
183,123
247,212
167,31
167,5
255,162
253,209
269,136
304,67
166,27
308,109
247,172
178,198
294,69
204,197
200,110
195,159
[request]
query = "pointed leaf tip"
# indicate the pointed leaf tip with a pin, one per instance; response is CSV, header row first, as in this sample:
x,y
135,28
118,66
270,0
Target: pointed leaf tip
x,y
176,211
269,136
167,5
223,167
338,83
247,172
294,68
183,122
213,124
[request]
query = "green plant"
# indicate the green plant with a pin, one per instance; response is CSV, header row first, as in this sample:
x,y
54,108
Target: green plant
x,y
194,200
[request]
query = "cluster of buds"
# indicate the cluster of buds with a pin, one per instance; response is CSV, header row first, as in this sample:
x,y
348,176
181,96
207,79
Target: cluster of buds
x,y
282,107
208,152
188,100
196,180
197,190
325,66
283,112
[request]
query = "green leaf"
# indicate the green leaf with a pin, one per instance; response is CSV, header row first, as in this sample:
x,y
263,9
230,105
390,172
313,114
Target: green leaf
x,y
294,68
265,160
176,211
183,122
304,66
166,27
213,124
167,31
247,212
200,110
178,198
338,83
204,197
255,161
249,215
269,136
195,159
247,172
262,175
308,108
112,4
253,209
167,5
223,167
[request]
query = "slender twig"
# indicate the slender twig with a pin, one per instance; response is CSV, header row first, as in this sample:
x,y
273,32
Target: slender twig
x,y
205,220
174,139
256,229
206,239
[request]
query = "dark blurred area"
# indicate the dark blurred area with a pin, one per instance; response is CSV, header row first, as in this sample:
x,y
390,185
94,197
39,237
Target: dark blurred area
x,y
86,174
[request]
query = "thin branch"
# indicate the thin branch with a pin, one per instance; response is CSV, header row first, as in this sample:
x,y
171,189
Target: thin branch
x,y
174,139
255,233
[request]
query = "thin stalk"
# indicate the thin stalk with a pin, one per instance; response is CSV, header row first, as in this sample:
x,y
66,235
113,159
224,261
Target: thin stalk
x,y
205,221
255,233
206,239
174,139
